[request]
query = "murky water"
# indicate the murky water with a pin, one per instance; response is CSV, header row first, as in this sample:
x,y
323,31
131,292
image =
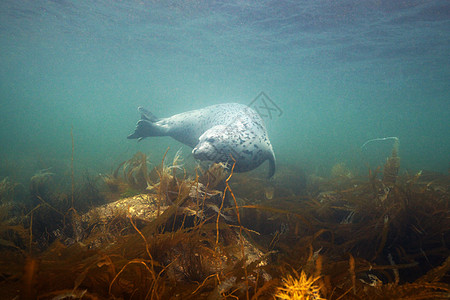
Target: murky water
x,y
341,73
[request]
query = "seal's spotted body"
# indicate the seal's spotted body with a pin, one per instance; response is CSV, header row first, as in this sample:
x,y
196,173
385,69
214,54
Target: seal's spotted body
x,y
215,133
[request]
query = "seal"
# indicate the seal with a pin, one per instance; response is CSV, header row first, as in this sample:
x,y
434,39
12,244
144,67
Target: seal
x,y
217,133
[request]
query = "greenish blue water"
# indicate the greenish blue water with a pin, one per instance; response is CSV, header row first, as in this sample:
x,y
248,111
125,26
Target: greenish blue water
x,y
342,72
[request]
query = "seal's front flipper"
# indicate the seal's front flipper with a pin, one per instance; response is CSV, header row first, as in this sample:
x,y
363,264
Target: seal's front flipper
x,y
271,166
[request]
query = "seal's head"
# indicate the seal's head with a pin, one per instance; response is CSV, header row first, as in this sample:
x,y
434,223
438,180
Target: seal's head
x,y
213,145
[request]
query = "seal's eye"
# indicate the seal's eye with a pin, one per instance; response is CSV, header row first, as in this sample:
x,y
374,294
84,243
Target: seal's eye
x,y
211,139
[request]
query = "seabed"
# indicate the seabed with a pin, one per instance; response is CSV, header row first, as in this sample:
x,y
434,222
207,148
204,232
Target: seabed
x,y
163,234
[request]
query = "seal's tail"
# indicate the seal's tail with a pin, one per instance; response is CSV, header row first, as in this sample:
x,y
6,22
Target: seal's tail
x,y
147,126
147,115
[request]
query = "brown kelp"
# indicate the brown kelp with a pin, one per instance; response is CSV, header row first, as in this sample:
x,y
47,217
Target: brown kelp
x,y
133,179
7,190
214,235
392,166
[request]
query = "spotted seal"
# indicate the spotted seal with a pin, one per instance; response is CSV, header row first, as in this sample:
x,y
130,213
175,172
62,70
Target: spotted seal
x,y
216,133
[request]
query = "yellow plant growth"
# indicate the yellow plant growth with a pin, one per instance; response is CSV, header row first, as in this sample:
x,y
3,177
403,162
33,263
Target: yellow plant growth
x,y
299,288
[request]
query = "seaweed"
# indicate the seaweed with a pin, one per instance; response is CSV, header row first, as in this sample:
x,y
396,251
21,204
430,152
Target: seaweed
x,y
87,193
392,165
214,234
41,184
130,177
7,190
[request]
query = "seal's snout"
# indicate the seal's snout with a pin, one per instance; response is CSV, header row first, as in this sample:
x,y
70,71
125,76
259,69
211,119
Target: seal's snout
x,y
196,153
200,153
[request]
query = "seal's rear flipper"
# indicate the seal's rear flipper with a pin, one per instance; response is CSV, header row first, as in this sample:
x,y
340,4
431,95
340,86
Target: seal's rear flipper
x,y
147,126
143,129
147,115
